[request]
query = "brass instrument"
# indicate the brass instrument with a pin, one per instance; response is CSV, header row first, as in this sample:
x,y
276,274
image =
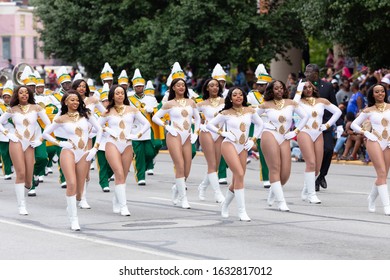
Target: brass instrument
x,y
13,75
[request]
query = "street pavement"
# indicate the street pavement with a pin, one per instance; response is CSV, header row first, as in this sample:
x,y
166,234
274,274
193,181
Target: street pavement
x,y
341,228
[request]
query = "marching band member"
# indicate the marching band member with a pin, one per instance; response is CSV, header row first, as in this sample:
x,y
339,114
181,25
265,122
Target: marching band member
x,y
237,117
120,117
276,137
181,111
74,120
310,139
210,141
378,142
24,113
144,152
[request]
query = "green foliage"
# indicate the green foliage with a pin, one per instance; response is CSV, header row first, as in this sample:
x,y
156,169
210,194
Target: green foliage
x,y
360,27
318,51
153,34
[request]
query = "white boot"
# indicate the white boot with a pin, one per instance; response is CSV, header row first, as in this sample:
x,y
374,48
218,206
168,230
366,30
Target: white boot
x,y
83,204
21,197
213,179
120,191
304,192
225,205
202,187
384,195
241,205
276,188
271,197
72,212
310,182
175,195
371,198
181,188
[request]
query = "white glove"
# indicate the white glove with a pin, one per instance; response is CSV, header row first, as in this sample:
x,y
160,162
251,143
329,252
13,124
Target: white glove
x,y
194,137
339,131
388,144
229,135
36,143
203,128
91,154
171,130
269,126
149,109
290,135
112,132
12,137
323,127
249,144
370,136
65,145
300,86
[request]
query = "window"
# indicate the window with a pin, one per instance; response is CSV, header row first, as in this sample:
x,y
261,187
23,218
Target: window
x,y
22,47
22,21
6,47
35,47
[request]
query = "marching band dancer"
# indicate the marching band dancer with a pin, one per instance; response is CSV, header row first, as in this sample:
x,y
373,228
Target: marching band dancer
x,y
74,120
276,137
181,110
210,141
220,75
378,142
120,117
91,102
310,139
237,117
144,151
24,113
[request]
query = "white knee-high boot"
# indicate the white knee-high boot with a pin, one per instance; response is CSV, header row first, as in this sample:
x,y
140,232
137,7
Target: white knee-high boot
x,y
371,198
276,188
304,191
271,197
83,204
120,191
72,212
21,197
384,195
202,188
225,205
213,179
310,183
175,195
240,196
181,188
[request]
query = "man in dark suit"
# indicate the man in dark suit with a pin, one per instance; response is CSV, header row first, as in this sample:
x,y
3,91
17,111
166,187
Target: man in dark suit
x,y
326,91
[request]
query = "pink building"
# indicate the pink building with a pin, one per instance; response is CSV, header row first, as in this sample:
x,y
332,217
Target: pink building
x,y
19,40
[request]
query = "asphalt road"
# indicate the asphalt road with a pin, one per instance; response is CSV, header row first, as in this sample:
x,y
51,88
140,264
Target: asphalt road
x,y
341,228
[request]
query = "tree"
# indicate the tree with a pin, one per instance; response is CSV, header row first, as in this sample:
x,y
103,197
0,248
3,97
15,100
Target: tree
x,y
360,27
152,35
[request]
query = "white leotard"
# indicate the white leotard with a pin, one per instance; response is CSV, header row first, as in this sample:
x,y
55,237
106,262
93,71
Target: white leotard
x,y
210,110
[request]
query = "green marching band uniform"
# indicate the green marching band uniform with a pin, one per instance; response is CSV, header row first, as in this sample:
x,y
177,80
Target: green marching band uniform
x,y
147,146
4,141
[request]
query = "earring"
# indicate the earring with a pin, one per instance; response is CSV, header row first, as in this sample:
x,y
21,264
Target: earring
x,y
231,100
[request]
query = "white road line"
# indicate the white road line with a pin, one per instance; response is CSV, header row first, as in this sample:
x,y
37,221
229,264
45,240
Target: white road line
x,y
356,192
94,240
195,203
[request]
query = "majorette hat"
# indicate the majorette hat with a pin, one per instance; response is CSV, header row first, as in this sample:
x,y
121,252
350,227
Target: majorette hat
x,y
149,88
137,79
177,72
1,86
63,75
40,81
28,77
107,72
169,80
104,93
78,76
123,79
91,85
8,88
218,73
262,75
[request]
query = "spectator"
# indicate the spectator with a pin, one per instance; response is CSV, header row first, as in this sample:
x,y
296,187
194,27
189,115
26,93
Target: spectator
x,y
329,59
10,65
52,80
354,140
240,78
344,94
